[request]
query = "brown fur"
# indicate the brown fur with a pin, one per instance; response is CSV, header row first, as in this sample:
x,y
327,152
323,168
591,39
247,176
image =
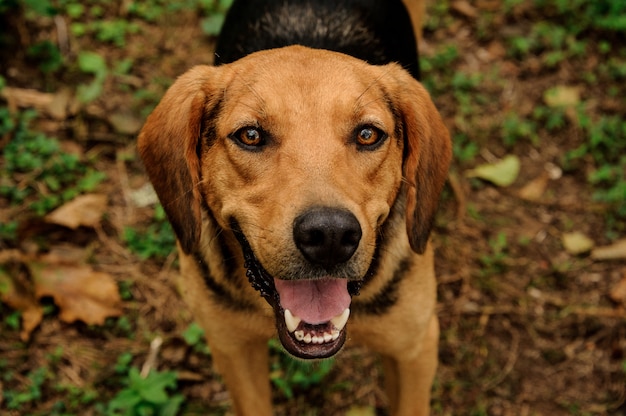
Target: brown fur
x,y
310,101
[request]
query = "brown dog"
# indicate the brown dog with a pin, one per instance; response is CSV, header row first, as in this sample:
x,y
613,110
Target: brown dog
x,y
310,178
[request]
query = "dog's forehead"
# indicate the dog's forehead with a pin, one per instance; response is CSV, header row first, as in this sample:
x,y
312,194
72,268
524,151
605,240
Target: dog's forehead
x,y
306,80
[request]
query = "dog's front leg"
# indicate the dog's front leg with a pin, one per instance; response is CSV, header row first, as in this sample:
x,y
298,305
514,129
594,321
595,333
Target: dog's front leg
x,y
245,371
237,338
409,377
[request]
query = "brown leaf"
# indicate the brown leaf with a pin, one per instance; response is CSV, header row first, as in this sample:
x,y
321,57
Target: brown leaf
x,y
84,210
615,251
464,8
21,298
80,292
534,190
618,292
576,243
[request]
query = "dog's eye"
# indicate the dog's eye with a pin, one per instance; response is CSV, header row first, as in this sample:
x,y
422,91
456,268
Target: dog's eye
x,y
369,136
249,137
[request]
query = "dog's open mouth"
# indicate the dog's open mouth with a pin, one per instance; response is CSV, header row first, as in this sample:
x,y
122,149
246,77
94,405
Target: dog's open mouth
x,y
311,315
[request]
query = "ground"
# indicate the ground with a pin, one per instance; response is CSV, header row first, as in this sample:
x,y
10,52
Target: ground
x,y
531,322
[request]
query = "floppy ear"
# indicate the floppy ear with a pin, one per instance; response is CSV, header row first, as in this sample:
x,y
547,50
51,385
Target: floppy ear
x,y
427,154
167,145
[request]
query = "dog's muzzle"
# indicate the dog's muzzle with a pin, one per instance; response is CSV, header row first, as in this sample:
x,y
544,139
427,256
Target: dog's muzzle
x,y
311,314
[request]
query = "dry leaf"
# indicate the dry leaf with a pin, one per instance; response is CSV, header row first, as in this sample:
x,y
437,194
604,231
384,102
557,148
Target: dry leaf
x,y
21,299
464,8
361,411
577,243
615,251
618,292
501,173
125,123
534,190
84,210
80,292
562,96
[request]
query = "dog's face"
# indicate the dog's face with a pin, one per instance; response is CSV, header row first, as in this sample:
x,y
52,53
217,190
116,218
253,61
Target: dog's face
x,y
302,153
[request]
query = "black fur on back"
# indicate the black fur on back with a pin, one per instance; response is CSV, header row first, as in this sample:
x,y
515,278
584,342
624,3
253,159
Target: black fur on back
x,y
376,31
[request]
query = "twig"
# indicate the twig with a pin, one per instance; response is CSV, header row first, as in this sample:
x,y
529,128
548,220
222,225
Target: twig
x,y
150,363
509,364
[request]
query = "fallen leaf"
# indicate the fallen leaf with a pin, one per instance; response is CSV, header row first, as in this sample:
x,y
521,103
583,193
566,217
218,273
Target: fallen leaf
x,y
125,123
534,190
615,251
144,196
576,243
618,292
562,96
84,210
21,299
501,173
58,106
361,411
80,292
464,8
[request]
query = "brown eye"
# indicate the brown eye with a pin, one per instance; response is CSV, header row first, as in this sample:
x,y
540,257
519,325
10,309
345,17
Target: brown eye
x,y
249,137
369,136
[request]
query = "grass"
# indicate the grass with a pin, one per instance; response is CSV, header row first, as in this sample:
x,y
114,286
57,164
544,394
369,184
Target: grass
x,y
36,169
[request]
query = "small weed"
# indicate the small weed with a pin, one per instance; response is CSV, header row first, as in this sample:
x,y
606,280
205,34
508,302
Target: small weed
x,y
515,128
157,240
47,55
35,167
605,142
437,69
212,24
31,393
194,337
289,374
495,262
147,396
94,64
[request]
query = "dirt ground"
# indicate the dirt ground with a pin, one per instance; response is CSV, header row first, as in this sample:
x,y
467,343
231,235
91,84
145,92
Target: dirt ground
x,y
528,328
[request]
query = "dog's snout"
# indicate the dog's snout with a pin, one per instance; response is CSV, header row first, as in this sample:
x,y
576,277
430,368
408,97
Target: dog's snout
x,y
327,236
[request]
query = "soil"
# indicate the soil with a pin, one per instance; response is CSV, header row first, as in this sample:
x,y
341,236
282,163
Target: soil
x,y
527,328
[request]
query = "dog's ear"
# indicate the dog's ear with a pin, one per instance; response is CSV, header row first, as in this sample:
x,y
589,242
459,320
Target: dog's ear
x,y
427,155
168,145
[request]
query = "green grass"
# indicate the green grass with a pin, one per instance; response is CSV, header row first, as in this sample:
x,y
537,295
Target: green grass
x,y
36,169
156,240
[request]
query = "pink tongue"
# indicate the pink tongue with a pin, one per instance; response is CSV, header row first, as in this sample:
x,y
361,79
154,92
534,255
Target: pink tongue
x,y
314,301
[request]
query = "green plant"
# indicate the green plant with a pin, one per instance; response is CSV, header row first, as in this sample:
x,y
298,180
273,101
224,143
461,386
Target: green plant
x,y
289,374
31,392
156,240
94,64
495,262
212,24
148,395
605,142
194,337
35,167
515,128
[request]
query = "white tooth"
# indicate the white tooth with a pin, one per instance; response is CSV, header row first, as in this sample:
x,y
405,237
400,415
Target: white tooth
x,y
291,321
315,339
335,334
327,337
339,321
299,335
307,339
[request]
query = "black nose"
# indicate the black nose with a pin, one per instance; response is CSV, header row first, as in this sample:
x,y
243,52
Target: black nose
x,y
327,236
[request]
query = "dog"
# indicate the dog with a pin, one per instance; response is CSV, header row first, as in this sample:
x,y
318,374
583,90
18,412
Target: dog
x,y
301,175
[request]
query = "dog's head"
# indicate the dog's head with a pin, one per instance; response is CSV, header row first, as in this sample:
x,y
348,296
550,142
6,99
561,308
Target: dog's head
x,y
302,153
